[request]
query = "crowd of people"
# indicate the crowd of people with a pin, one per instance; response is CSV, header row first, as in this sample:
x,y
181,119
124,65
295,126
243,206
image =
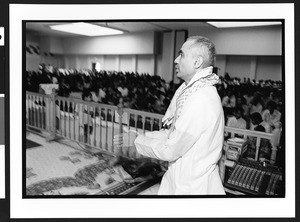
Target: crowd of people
x,y
138,91
247,104
254,105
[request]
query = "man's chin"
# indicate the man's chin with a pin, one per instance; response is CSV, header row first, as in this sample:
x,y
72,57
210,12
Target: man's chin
x,y
179,76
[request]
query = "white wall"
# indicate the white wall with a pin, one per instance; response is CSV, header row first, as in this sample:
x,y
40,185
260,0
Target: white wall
x,y
55,60
269,67
266,67
126,63
145,64
244,41
238,66
253,52
221,64
239,52
130,44
134,53
32,61
110,63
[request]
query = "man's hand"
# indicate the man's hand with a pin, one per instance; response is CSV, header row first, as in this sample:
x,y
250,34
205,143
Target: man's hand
x,y
124,143
125,139
118,140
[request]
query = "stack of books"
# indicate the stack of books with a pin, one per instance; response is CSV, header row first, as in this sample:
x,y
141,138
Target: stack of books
x,y
235,147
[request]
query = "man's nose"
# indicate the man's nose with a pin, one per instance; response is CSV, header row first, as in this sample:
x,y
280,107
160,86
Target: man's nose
x,y
176,60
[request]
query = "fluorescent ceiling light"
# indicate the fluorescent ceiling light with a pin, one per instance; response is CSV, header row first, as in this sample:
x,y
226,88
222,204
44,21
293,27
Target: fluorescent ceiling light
x,y
241,24
86,29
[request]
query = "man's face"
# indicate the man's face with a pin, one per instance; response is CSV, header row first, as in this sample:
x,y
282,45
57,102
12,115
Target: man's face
x,y
238,114
185,62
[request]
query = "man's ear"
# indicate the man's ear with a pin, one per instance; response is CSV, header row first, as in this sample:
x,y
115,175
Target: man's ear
x,y
198,62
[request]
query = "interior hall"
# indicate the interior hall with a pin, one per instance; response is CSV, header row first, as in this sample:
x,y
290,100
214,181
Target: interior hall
x,y
80,90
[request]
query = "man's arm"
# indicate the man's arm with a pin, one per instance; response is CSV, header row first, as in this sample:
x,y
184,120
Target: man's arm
x,y
195,118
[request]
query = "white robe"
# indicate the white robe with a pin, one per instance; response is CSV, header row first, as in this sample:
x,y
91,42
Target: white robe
x,y
192,149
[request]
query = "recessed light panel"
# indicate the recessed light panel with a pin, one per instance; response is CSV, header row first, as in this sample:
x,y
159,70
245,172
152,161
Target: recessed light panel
x,y
241,24
86,29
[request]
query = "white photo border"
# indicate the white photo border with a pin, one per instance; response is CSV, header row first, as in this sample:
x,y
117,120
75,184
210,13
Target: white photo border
x,y
2,171
2,154
146,207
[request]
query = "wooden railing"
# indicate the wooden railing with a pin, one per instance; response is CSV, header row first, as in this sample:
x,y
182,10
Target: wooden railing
x,y
38,111
94,124
257,137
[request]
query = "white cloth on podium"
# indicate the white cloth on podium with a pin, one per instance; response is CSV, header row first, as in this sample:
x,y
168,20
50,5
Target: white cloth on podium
x,y
193,144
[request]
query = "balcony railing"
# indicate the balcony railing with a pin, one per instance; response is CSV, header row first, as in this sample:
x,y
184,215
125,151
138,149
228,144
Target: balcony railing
x,y
94,124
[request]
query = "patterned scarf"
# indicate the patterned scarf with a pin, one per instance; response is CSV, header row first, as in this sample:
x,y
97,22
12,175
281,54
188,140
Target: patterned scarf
x,y
202,78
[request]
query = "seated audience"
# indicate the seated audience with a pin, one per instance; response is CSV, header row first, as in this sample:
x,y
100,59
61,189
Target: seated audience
x,y
236,120
152,93
255,122
256,104
271,114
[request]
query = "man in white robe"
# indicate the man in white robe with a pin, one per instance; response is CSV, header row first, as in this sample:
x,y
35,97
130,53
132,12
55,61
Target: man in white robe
x,y
193,143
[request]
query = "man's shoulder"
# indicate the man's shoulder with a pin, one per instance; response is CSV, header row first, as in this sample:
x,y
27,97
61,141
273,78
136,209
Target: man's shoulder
x,y
206,98
208,93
